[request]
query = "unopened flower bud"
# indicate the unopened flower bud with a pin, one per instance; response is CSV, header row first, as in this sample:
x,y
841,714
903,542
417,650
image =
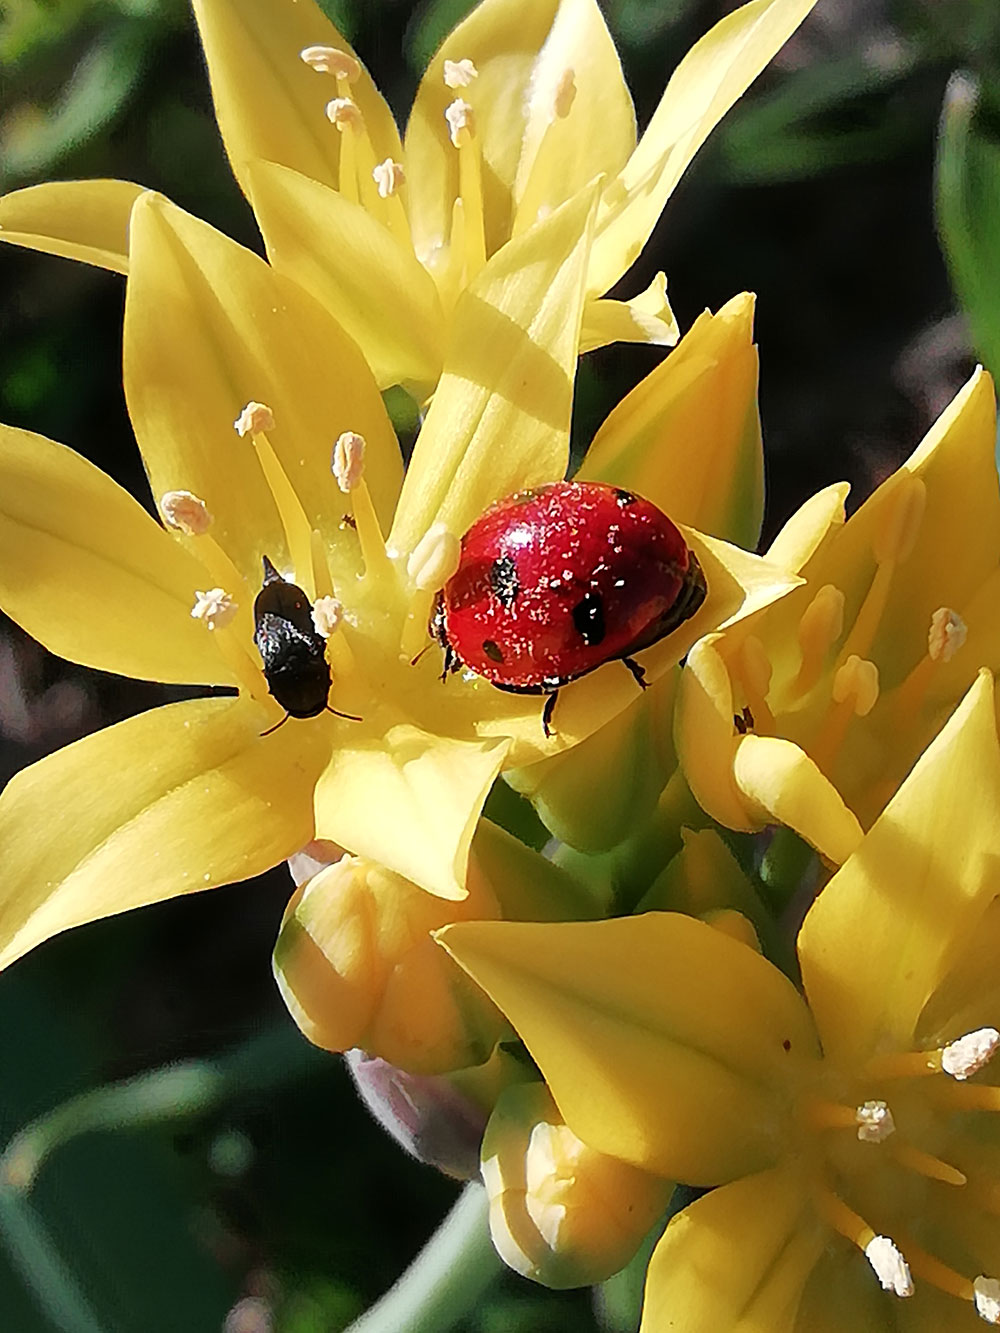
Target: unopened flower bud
x,y
561,1213
356,965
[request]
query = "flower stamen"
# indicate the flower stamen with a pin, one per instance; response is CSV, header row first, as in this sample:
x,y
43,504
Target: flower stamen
x,y
875,1122
215,607
754,670
432,562
924,1164
820,627
388,177
331,60
889,1266
459,73
348,466
462,131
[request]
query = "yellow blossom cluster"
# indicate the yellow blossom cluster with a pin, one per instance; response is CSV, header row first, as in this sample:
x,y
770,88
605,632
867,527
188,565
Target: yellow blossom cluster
x,y
636,1005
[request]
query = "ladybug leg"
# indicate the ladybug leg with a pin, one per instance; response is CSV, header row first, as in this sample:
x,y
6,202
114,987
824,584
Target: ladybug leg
x,y
547,711
638,673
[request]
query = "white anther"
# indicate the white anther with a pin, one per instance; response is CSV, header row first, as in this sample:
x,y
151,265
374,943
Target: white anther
x,y
947,633
822,621
857,683
890,1267
254,418
215,607
348,462
185,512
966,1055
875,1122
331,60
434,559
327,613
344,113
388,176
900,519
460,120
565,93
459,73
986,1297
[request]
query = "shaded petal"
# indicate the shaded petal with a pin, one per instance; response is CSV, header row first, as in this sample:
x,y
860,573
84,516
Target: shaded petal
x,y
688,436
182,798
374,287
410,800
663,1041
84,220
268,102
810,527
706,738
87,572
891,924
711,77
647,318
500,417
208,327
737,1259
781,785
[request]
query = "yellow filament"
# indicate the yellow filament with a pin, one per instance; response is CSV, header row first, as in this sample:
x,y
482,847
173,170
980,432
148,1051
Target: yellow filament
x,y
298,529
470,184
865,626
968,1096
754,675
907,1064
842,1219
320,566
249,675
414,632
925,1266
924,1164
348,178
822,1114
226,575
820,627
377,562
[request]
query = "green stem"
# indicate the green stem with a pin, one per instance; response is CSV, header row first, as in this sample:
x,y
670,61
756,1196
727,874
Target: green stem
x,y
447,1278
33,1254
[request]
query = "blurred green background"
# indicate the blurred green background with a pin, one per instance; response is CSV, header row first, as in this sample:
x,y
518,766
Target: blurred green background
x,y
260,1198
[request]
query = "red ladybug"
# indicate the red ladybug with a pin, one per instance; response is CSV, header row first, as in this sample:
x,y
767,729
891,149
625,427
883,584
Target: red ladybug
x,y
557,580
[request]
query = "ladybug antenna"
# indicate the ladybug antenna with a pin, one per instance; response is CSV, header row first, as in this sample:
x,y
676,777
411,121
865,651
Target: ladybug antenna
x,y
351,717
415,660
277,724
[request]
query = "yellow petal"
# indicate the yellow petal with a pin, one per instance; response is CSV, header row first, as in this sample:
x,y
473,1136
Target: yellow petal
x,y
409,800
87,572
182,798
810,528
662,1040
890,926
500,417
375,289
209,327
711,77
521,49
526,884
736,1260
84,220
688,436
647,318
780,784
268,102
633,754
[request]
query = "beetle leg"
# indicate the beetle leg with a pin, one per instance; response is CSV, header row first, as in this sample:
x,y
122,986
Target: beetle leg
x,y
276,725
547,711
638,672
350,717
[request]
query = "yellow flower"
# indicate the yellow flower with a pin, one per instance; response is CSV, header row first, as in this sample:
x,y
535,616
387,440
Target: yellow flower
x,y
522,108
811,713
854,1139
214,335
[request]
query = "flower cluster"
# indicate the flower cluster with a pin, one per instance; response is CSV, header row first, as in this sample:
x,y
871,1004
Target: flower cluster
x,y
756,956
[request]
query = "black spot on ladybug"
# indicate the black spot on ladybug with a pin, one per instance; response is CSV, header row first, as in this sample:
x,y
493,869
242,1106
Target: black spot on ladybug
x,y
503,581
624,498
492,650
588,618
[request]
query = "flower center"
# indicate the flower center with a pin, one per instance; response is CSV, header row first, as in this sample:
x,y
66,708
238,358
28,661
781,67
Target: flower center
x,y
878,1179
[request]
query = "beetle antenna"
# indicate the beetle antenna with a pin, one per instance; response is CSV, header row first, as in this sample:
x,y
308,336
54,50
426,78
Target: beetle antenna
x,y
415,660
351,717
276,725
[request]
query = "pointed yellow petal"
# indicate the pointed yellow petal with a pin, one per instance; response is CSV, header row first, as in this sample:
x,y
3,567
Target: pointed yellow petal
x,y
736,1260
647,318
84,220
663,1041
209,327
500,418
375,289
711,77
269,103
87,572
688,436
409,800
810,527
706,737
182,798
889,927
780,784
